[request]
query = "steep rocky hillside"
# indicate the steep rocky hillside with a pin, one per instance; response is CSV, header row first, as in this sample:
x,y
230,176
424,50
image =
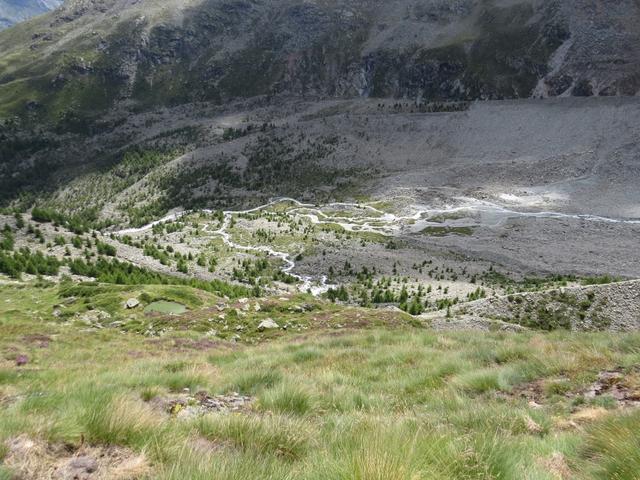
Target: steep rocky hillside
x,y
577,152
613,306
113,106
92,54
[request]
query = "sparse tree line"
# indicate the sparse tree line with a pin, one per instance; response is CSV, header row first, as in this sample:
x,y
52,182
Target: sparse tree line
x,y
14,264
259,271
106,270
233,133
431,107
385,291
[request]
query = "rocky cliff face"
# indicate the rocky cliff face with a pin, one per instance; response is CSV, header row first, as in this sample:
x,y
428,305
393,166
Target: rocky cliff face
x,y
93,54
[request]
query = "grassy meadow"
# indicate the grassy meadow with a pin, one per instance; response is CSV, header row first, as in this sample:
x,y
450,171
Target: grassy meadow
x,y
396,402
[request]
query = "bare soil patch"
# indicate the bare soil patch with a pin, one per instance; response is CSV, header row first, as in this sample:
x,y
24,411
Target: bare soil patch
x,y
37,460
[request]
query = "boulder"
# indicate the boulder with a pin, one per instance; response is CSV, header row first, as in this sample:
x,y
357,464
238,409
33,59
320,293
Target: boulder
x,y
132,303
267,324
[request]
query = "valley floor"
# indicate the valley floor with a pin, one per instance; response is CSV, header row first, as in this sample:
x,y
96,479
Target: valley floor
x,y
121,372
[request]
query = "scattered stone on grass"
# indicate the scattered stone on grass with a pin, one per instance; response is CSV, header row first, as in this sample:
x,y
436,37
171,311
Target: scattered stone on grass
x,y
132,303
268,324
94,317
189,406
617,385
623,388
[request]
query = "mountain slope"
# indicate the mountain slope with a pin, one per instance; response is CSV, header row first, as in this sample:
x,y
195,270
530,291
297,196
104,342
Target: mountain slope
x,y
133,166
94,54
128,108
14,11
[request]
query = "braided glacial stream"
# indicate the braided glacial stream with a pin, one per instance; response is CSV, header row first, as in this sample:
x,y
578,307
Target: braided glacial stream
x,y
470,212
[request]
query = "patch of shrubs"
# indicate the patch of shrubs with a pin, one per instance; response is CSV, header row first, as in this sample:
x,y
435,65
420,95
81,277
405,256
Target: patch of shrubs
x,y
14,264
78,224
121,273
7,242
106,249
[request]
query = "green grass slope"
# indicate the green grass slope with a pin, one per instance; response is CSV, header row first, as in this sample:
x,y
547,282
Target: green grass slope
x,y
376,403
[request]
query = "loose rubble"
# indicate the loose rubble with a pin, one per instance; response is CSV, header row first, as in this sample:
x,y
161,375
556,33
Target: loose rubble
x,y
200,403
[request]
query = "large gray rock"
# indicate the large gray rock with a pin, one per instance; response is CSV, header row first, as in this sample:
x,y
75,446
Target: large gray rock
x,y
268,324
132,303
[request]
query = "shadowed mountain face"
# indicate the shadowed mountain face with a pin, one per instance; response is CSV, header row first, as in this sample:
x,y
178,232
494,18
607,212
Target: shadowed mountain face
x,y
14,11
93,54
121,89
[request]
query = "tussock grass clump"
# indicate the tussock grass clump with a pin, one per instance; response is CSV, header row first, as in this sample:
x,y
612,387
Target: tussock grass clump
x,y
287,398
480,381
8,376
228,357
175,367
252,382
4,450
120,420
277,435
149,393
206,462
432,377
557,387
173,376
612,447
388,456
397,448
308,354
